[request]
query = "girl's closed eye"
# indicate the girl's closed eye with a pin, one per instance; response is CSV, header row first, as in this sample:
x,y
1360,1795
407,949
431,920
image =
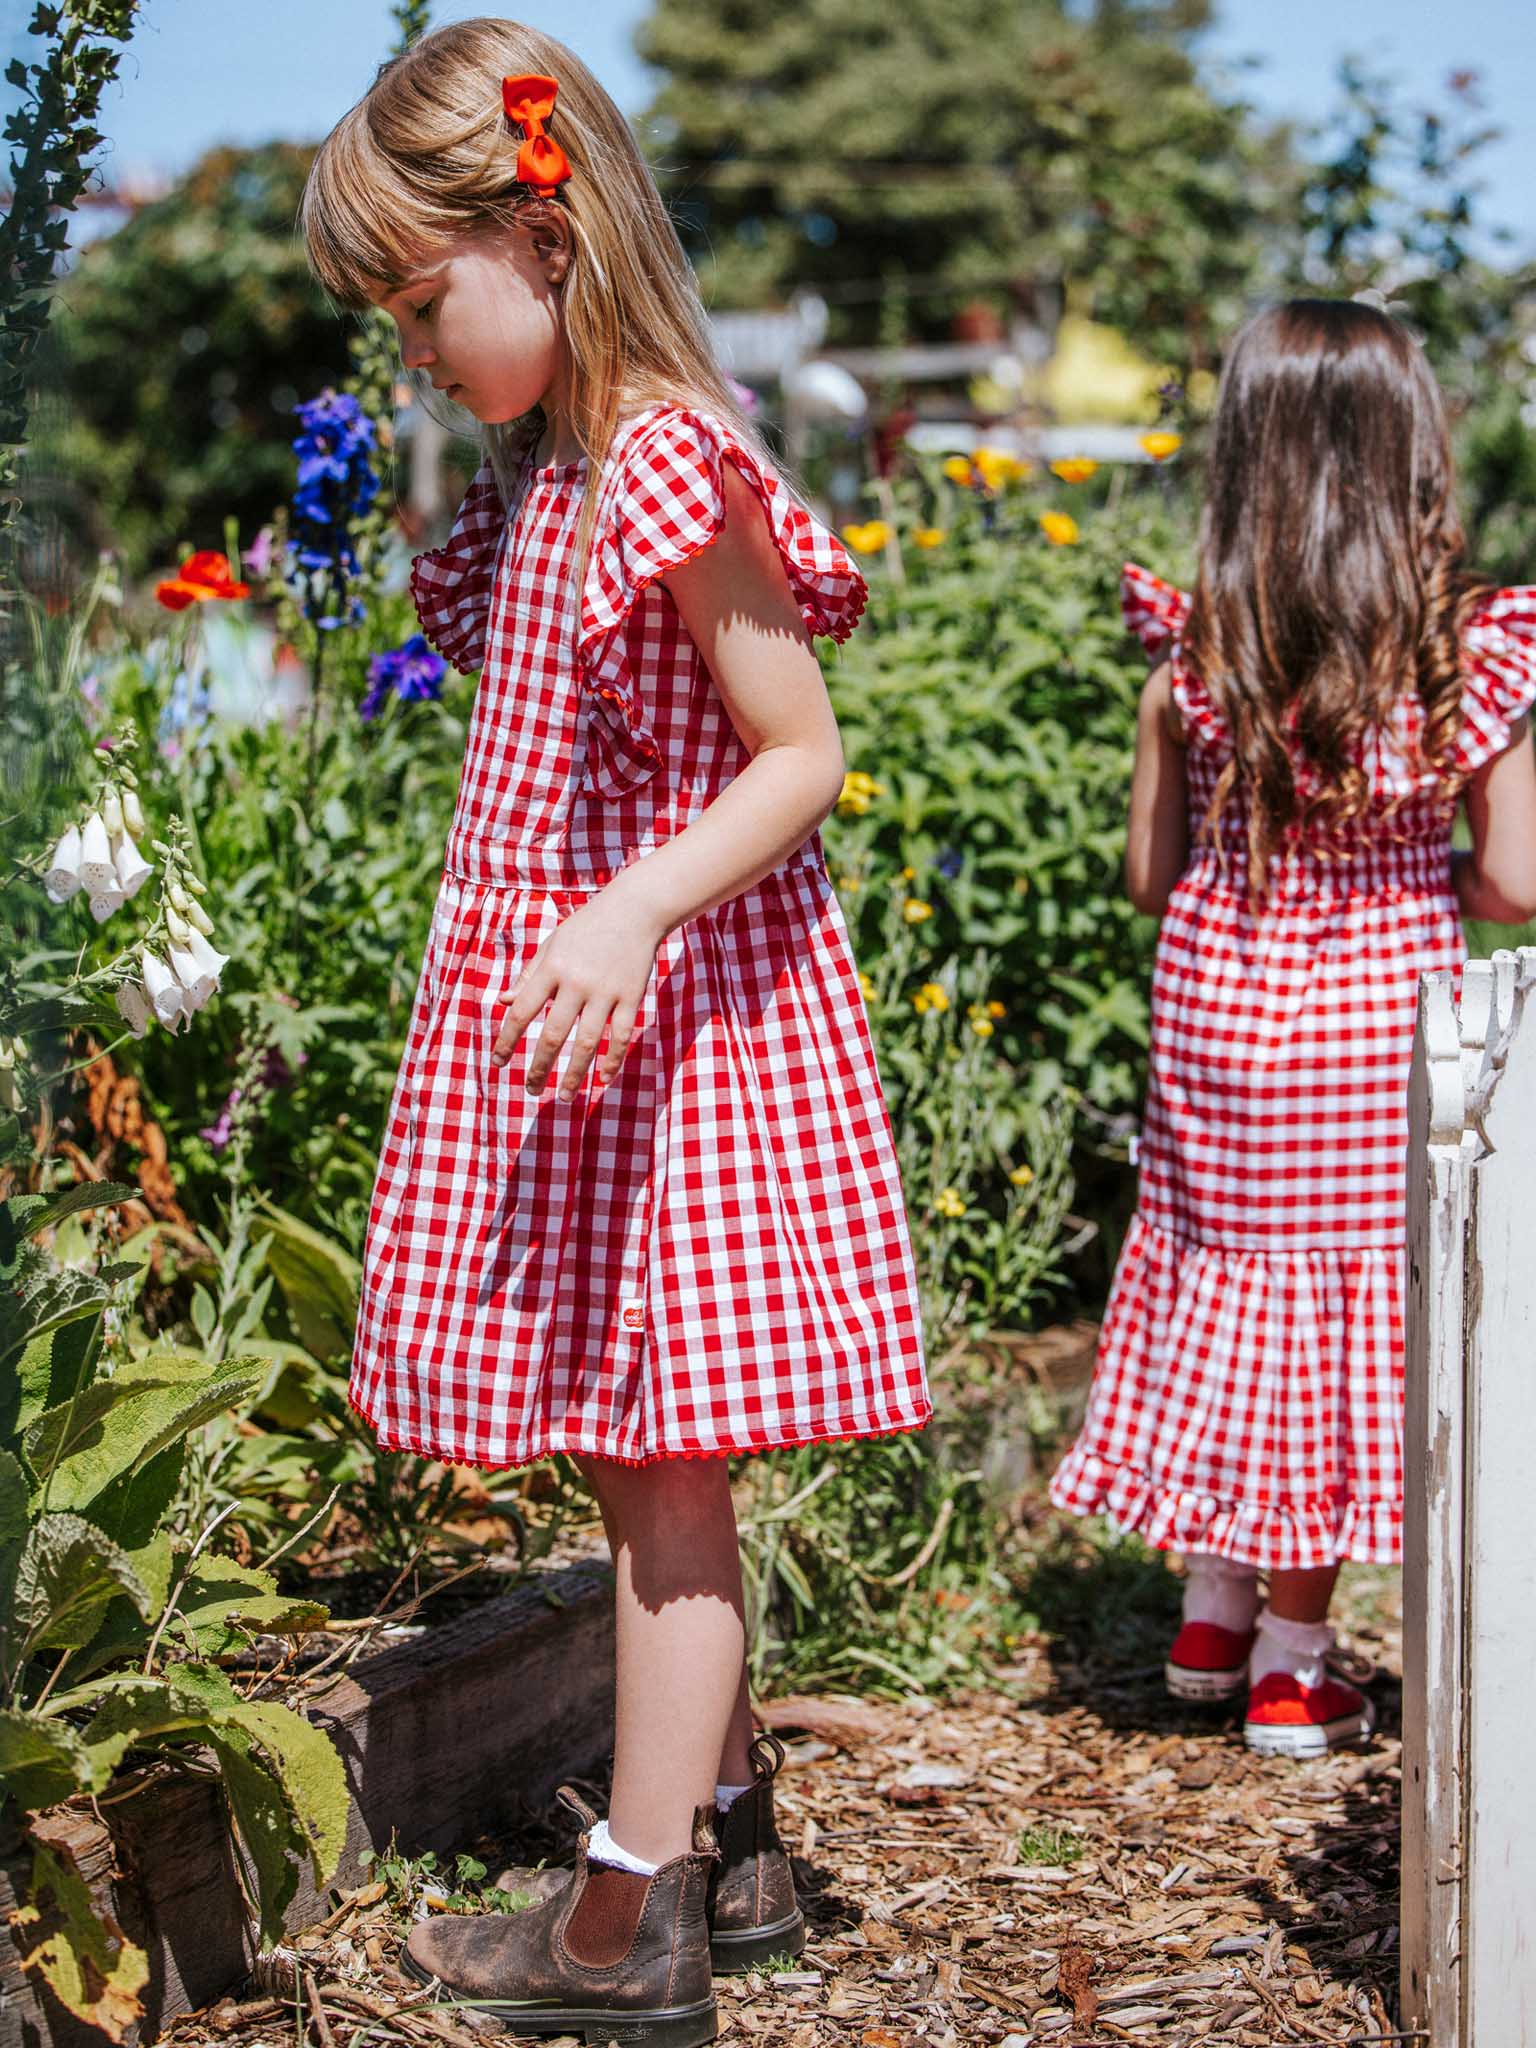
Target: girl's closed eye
x,y
423,311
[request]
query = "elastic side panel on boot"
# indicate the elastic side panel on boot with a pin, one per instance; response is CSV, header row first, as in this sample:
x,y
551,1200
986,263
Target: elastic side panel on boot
x,y
601,1929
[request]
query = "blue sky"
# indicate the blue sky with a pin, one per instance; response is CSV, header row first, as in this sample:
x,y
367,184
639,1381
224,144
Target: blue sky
x,y
206,71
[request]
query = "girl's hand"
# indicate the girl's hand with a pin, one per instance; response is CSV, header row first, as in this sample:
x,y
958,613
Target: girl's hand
x,y
596,964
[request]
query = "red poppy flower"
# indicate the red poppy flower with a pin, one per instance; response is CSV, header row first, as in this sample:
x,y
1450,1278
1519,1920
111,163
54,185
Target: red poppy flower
x,y
203,575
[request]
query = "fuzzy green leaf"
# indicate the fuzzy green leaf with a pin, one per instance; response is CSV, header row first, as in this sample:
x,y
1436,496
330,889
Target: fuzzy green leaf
x,y
41,1760
320,1282
67,1576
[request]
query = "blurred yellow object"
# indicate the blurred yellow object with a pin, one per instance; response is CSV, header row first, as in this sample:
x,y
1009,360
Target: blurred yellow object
x,y
930,536
931,996
1059,528
997,468
1074,469
915,911
1021,1176
950,1202
1095,374
871,537
1161,445
958,469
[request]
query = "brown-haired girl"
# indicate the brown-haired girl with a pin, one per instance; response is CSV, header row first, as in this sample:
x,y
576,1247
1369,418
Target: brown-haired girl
x,y
1331,689
667,1225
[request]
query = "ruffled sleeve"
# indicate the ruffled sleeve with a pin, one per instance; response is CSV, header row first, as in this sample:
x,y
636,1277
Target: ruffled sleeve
x,y
663,502
1156,612
451,585
1499,641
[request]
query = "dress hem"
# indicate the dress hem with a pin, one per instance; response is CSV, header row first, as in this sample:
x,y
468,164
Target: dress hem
x,y
1289,1535
657,1457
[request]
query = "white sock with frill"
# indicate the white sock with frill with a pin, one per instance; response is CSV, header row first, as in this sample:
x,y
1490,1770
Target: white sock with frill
x,y
1220,1592
1298,1648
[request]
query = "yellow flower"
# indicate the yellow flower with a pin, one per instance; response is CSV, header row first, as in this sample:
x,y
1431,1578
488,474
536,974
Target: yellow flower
x,y
857,790
931,996
958,469
849,882
867,988
907,874
950,1202
930,536
914,911
871,537
1074,469
1021,1176
983,1026
1059,528
1161,444
996,1009
997,468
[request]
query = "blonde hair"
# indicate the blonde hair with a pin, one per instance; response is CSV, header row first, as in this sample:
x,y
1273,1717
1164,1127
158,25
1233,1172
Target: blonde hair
x,y
428,154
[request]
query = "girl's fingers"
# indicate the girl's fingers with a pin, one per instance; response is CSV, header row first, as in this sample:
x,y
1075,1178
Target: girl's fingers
x,y
589,1036
557,1027
527,999
620,1032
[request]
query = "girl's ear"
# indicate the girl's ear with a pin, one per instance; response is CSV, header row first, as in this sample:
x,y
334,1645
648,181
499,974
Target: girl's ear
x,y
549,233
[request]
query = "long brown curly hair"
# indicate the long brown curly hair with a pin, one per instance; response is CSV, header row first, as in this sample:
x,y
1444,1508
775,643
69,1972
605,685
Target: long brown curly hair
x,y
1330,572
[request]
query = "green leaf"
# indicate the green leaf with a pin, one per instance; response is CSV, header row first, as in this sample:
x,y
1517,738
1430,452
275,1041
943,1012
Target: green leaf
x,y
28,1214
320,1282
51,1369
67,1575
54,1295
306,1761
204,1314
127,1420
84,1956
266,1823
41,1760
13,1501
133,1506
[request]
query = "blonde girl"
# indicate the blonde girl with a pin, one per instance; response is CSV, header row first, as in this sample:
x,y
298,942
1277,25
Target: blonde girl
x,y
638,1198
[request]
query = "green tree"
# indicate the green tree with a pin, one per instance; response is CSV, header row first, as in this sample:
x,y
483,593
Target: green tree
x,y
183,343
954,148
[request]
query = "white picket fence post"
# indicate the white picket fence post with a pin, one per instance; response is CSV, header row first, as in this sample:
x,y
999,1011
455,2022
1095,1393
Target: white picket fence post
x,y
1469,1571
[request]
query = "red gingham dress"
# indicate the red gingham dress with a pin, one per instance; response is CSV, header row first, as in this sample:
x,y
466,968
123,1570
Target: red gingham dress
x,y
710,1253
1249,1389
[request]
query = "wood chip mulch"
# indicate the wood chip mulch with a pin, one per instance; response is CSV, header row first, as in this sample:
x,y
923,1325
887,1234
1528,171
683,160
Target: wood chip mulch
x,y
1068,1858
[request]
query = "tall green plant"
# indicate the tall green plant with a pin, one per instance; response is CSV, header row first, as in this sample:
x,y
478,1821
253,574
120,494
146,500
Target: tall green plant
x,y
55,136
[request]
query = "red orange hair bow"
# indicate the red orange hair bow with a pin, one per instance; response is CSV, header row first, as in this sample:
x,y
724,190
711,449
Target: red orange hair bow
x,y
541,162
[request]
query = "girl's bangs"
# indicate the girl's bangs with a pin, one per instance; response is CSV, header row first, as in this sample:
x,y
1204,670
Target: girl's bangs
x,y
353,215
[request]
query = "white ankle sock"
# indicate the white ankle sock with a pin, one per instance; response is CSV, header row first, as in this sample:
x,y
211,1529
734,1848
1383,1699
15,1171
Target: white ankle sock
x,y
1220,1592
602,1848
1297,1648
724,1794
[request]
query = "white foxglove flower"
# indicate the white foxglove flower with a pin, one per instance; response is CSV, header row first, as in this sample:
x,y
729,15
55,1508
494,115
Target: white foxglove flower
x,y
63,876
199,918
112,813
133,816
165,992
105,901
96,869
133,1006
133,870
177,927
197,982
178,898
209,959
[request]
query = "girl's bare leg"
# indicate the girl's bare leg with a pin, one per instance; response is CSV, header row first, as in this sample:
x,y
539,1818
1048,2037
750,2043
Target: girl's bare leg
x,y
1302,1596
681,1641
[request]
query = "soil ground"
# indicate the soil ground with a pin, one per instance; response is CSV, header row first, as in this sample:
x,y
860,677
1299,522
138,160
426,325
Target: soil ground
x,y
1068,1858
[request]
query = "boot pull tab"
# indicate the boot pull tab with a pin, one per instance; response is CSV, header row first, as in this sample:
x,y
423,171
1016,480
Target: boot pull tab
x,y
579,1807
766,1754
705,1840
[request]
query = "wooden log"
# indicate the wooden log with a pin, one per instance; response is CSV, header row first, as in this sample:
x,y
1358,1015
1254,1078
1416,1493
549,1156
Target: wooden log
x,y
444,1738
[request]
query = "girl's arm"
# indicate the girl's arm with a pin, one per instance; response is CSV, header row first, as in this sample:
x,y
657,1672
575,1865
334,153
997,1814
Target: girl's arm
x,y
1496,879
735,600
1157,842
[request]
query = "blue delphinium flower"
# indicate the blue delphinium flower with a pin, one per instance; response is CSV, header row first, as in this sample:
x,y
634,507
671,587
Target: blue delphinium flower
x,y
411,670
336,484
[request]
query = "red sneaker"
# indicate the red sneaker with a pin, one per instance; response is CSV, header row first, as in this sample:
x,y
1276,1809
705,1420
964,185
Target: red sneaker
x,y
1288,1719
1207,1662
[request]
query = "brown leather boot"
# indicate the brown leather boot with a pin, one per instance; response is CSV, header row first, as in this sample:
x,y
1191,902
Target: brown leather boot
x,y
753,1913
611,1955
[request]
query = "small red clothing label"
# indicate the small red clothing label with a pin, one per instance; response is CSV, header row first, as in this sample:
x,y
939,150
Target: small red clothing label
x,y
634,1316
